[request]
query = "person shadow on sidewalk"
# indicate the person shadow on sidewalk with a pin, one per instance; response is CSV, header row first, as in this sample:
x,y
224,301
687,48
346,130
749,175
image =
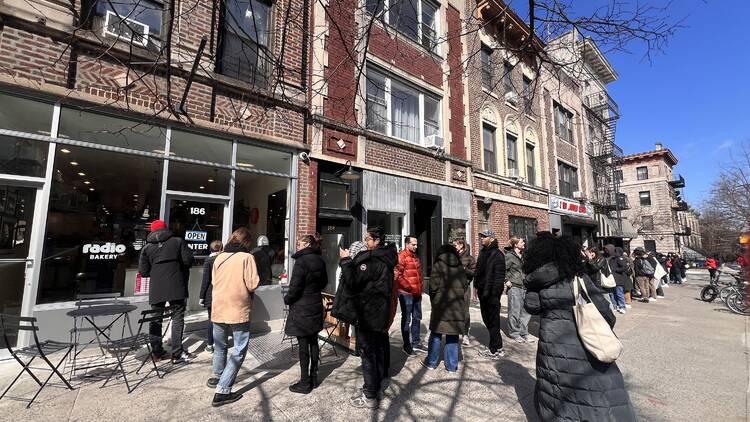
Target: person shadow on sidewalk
x,y
518,376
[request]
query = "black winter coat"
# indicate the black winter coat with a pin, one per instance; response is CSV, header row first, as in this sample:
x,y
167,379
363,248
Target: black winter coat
x,y
571,383
206,287
263,259
309,278
369,276
619,267
447,290
489,277
166,259
593,267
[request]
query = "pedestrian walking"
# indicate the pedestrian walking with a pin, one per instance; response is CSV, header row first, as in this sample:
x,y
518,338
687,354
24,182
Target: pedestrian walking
x,y
675,269
264,256
206,290
370,276
166,259
235,278
305,318
447,289
489,279
571,384
409,279
712,266
518,318
645,269
470,265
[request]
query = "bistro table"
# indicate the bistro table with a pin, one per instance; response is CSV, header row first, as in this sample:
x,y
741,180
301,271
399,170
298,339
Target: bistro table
x,y
101,335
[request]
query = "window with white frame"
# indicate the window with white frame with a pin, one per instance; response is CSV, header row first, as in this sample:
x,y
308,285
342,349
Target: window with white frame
x,y
511,145
486,61
416,19
398,109
567,179
138,22
563,123
530,164
488,148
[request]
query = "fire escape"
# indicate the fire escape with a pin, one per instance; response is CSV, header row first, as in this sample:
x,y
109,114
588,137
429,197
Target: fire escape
x,y
605,156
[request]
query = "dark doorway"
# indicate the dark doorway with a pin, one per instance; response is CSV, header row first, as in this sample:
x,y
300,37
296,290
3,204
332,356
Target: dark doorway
x,y
426,225
649,245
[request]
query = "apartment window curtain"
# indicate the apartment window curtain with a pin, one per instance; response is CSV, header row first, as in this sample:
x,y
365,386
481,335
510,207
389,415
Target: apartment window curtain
x,y
405,113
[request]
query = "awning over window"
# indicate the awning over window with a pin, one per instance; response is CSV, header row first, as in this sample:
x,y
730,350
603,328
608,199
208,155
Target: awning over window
x,y
608,227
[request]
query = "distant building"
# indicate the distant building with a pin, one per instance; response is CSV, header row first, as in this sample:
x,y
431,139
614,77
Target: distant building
x,y
653,192
691,224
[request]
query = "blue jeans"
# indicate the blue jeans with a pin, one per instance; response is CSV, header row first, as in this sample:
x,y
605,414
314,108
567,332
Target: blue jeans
x,y
223,368
618,297
411,315
450,354
209,329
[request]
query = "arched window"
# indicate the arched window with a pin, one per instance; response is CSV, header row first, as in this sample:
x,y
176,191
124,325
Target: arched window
x,y
512,165
530,155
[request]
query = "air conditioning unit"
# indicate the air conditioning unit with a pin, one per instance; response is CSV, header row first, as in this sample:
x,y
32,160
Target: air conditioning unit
x,y
512,172
511,97
434,141
579,195
126,29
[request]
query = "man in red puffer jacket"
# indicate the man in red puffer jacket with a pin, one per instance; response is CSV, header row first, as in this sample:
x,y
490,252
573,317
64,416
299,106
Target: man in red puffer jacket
x,y
408,275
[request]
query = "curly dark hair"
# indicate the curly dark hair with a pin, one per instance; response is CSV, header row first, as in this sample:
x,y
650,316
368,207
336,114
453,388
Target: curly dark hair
x,y
547,248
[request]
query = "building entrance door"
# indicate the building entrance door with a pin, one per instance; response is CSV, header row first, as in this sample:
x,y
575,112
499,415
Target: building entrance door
x,y
16,265
199,221
426,225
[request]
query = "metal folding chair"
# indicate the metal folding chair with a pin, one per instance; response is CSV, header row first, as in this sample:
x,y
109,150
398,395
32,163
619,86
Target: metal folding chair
x,y
123,348
11,324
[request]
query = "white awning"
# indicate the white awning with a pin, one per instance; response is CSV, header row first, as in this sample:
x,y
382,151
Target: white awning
x,y
608,227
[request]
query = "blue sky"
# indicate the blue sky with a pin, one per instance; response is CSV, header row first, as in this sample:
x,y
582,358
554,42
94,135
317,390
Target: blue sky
x,y
694,97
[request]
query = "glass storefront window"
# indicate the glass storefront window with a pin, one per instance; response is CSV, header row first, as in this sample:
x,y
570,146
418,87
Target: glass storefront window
x,y
198,178
111,131
198,147
258,158
23,157
199,223
97,222
391,222
260,205
25,115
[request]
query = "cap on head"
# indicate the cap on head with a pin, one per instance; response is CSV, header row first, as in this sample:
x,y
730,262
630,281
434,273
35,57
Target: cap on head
x,y
487,233
262,240
158,225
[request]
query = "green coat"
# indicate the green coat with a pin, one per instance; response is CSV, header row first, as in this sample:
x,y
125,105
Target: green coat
x,y
448,284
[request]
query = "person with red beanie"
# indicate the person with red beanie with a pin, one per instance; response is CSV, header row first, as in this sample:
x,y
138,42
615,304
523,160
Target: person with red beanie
x,y
408,275
167,259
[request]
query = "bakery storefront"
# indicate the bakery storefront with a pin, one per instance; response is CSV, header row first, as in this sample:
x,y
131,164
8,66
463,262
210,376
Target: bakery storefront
x,y
79,188
569,217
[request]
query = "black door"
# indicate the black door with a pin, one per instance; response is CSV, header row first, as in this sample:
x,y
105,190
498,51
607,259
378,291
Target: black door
x,y
426,225
334,234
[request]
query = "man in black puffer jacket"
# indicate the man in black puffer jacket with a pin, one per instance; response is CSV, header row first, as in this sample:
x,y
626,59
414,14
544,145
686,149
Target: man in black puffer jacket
x,y
370,277
489,280
166,259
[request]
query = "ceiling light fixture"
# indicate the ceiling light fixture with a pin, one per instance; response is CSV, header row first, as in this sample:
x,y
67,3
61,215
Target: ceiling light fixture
x,y
73,163
65,151
201,187
81,173
91,189
86,182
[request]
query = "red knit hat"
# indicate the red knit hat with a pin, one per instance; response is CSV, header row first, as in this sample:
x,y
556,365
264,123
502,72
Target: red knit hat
x,y
158,225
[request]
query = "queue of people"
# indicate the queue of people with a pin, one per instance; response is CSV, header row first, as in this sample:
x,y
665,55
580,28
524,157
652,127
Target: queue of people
x,y
376,280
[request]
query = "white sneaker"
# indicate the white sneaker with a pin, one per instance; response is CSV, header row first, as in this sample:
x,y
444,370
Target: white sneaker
x,y
652,299
660,297
465,341
628,306
622,311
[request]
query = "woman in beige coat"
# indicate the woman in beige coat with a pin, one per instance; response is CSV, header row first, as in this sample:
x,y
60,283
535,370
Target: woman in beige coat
x,y
234,279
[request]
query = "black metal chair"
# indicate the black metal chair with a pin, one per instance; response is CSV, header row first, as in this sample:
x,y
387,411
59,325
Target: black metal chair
x,y
123,348
330,328
12,324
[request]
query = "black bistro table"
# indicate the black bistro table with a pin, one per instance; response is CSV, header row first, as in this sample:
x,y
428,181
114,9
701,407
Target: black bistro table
x,y
101,334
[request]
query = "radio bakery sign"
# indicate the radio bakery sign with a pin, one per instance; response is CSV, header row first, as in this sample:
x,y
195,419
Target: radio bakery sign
x,y
106,251
566,206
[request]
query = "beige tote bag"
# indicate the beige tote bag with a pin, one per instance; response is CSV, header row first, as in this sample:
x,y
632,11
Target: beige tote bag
x,y
593,329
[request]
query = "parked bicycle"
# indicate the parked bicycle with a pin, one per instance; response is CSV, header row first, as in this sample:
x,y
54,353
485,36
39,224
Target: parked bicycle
x,y
737,302
710,292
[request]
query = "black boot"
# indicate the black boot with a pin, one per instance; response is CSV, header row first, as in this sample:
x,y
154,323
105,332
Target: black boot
x,y
304,386
314,375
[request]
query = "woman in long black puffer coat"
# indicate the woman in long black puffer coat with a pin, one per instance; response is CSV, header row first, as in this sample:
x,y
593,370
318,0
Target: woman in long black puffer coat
x,y
571,384
305,319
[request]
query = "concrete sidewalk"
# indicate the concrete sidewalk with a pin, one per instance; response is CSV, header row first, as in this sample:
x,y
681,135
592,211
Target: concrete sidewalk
x,y
683,360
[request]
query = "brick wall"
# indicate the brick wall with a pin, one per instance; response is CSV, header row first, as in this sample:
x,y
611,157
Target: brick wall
x,y
456,84
501,212
339,74
307,197
395,48
29,56
395,158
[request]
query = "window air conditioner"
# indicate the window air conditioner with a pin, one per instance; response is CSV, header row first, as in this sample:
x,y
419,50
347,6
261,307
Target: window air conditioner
x,y
578,195
511,97
126,29
434,141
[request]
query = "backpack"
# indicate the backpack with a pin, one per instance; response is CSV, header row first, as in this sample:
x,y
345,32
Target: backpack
x,y
647,268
